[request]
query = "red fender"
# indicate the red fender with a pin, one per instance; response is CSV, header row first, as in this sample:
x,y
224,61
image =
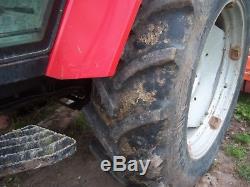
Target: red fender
x,y
91,38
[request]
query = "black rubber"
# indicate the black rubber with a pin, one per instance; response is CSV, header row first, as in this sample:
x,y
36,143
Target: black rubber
x,y
142,111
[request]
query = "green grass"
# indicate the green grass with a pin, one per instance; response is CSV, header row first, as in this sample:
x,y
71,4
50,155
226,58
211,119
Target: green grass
x,y
33,115
242,112
11,181
242,138
80,122
239,148
78,127
242,165
237,152
244,171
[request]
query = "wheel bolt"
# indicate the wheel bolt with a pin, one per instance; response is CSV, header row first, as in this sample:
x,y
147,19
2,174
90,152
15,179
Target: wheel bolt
x,y
214,122
235,53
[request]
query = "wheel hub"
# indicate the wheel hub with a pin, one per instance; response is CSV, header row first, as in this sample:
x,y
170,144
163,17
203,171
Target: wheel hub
x,y
216,80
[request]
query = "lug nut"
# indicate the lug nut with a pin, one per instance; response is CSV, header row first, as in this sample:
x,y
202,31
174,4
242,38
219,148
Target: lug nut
x,y
214,122
235,53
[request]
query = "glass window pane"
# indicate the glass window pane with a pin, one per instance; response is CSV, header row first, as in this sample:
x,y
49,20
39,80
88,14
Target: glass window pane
x,y
23,21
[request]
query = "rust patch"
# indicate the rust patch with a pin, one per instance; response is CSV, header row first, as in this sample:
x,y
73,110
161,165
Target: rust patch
x,y
214,122
235,53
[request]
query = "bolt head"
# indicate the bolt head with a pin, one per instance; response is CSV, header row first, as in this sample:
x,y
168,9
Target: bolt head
x,y
214,122
235,53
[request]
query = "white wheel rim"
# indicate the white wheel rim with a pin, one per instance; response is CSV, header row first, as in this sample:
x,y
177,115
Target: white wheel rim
x,y
216,80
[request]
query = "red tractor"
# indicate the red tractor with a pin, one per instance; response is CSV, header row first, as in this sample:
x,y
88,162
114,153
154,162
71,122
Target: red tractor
x,y
157,80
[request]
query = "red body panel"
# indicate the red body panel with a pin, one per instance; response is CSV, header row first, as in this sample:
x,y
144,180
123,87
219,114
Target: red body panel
x,y
91,38
247,71
246,85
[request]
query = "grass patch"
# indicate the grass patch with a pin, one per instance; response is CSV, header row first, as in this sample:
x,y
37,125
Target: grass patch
x,y
11,181
237,152
80,122
244,171
242,138
242,112
32,115
239,149
78,127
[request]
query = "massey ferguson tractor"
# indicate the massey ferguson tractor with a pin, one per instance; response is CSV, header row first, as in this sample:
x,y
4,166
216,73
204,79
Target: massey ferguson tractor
x,y
157,80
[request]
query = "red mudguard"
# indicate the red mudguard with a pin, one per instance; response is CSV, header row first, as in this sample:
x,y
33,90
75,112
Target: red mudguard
x,y
91,38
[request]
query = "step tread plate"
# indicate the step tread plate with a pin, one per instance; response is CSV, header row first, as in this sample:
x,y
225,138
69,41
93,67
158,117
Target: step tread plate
x,y
33,147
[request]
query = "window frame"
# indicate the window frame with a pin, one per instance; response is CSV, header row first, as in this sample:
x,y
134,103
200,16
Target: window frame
x,y
43,47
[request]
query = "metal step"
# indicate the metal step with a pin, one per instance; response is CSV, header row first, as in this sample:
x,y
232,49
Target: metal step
x,y
32,147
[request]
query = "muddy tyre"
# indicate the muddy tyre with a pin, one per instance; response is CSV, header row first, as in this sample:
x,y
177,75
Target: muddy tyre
x,y
175,90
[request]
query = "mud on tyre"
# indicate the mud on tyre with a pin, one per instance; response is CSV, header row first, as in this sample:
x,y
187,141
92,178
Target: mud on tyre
x,y
150,108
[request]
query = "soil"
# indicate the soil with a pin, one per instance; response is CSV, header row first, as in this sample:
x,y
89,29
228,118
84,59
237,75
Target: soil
x,y
222,174
82,169
4,122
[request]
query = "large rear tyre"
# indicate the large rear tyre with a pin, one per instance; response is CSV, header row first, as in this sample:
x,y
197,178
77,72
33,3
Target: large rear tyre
x,y
173,96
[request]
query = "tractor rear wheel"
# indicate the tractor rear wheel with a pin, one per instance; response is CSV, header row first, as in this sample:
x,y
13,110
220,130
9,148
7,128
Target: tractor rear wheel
x,y
175,90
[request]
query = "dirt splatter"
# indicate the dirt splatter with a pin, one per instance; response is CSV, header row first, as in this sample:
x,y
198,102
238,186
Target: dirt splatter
x,y
166,41
159,78
160,81
153,35
144,95
156,161
132,97
126,147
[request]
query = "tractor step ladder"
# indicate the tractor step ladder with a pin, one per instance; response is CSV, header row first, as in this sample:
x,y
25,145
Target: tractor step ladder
x,y
32,147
